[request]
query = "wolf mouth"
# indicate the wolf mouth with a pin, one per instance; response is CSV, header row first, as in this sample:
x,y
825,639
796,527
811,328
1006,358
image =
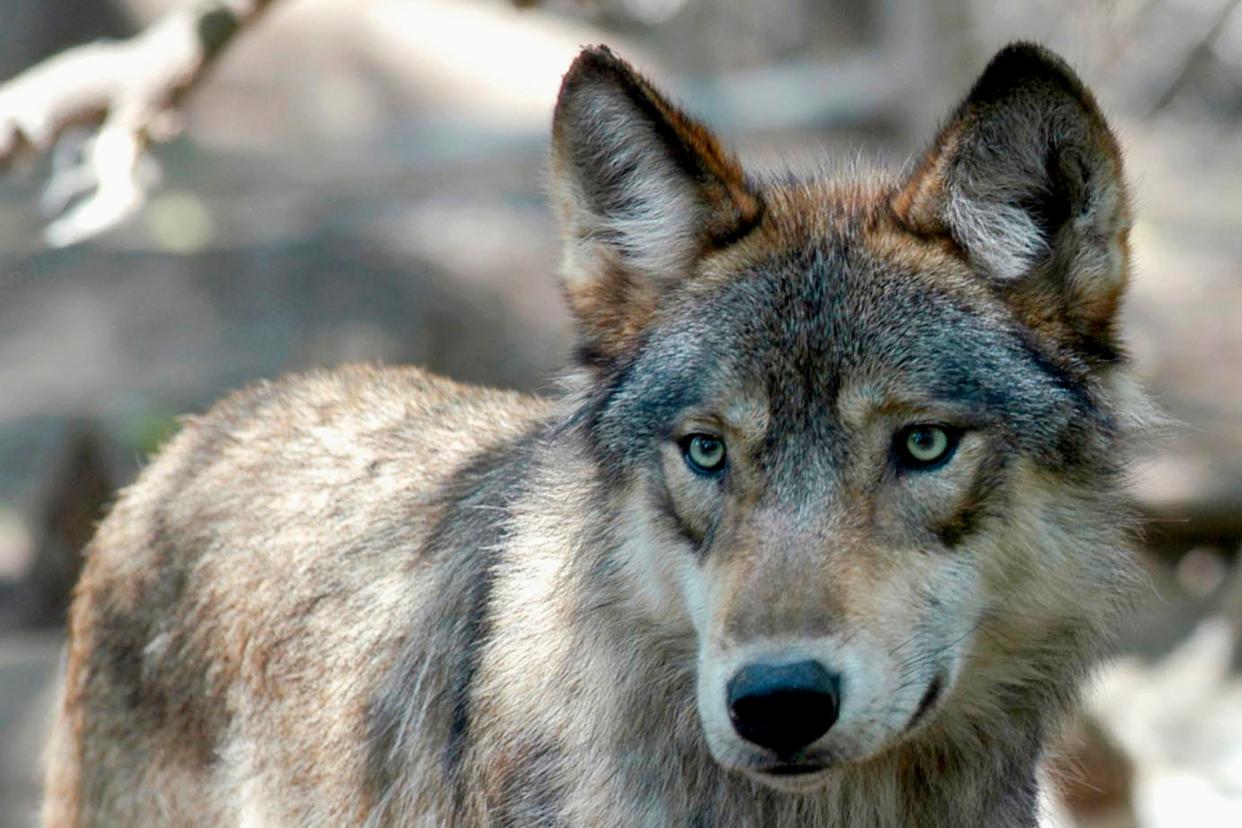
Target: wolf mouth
x,y
793,770
791,777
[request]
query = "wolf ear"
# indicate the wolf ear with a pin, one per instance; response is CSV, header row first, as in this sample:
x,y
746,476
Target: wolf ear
x,y
643,192
1026,180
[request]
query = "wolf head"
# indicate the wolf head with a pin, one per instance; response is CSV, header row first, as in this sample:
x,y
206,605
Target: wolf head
x,y
865,437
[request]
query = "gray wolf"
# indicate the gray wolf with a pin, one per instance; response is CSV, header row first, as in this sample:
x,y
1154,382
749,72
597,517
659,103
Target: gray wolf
x,y
824,529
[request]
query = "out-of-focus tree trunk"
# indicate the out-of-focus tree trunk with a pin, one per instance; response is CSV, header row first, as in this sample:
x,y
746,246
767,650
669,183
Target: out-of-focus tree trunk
x,y
72,506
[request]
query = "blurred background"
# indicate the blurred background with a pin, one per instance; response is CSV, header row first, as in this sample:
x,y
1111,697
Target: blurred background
x,y
364,180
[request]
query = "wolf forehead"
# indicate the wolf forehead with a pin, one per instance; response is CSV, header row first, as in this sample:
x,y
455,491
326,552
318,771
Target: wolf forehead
x,y
827,299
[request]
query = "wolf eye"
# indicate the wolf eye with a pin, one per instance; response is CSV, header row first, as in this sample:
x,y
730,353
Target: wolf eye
x,y
704,453
923,447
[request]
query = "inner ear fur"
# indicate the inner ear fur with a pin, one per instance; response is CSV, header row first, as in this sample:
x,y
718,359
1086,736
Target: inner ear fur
x,y
643,191
1026,180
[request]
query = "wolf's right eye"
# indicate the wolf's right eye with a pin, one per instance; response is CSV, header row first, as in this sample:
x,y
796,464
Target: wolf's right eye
x,y
704,453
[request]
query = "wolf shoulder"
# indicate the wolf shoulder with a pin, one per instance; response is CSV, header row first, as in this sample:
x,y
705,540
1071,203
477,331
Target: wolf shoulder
x,y
264,568
313,469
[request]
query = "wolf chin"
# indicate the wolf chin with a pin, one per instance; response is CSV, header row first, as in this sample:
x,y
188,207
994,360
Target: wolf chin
x,y
824,529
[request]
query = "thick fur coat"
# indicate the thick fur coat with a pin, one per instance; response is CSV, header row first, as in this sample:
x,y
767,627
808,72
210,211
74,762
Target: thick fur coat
x,y
877,426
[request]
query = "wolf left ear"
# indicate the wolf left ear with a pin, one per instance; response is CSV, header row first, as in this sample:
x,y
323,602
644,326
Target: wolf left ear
x,y
643,190
1026,180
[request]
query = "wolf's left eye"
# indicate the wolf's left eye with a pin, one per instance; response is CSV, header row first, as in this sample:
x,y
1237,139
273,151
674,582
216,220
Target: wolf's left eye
x,y
923,447
704,453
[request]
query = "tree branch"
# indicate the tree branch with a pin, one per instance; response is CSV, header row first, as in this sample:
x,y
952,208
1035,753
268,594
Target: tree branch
x,y
128,89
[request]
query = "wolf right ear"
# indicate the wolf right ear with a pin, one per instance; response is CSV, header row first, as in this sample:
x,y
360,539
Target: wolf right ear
x,y
1026,180
643,192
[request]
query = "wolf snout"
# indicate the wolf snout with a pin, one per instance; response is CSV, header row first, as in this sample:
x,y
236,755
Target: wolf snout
x,y
783,707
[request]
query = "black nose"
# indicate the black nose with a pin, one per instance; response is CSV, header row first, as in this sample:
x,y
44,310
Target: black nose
x,y
783,706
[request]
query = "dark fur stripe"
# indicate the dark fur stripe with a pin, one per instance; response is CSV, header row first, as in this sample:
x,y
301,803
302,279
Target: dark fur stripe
x,y
980,501
465,543
662,500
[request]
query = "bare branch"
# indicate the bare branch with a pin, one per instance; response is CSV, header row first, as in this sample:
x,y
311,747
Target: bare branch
x,y
129,89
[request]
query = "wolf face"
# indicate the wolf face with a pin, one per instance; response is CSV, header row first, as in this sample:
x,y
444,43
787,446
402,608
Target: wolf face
x,y
866,437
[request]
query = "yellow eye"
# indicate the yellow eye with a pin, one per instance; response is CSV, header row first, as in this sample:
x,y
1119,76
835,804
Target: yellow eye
x,y
925,446
704,454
